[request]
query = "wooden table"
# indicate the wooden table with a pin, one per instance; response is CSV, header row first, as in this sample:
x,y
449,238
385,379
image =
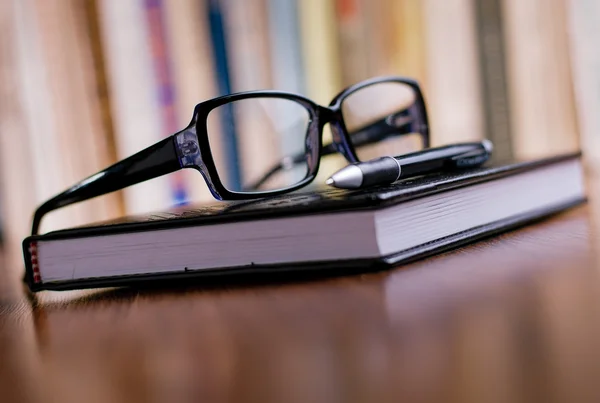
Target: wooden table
x,y
512,319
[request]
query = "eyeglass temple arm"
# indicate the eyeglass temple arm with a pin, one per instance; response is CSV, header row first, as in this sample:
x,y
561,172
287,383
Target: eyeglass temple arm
x,y
156,160
366,135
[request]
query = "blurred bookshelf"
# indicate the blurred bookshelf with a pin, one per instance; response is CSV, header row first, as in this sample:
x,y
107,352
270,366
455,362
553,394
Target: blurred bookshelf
x,y
84,83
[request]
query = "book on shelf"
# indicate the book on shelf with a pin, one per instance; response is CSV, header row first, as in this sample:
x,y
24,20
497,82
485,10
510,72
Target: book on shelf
x,y
189,42
249,58
222,66
583,35
164,90
540,86
132,85
322,62
328,228
352,39
494,81
13,119
453,74
408,40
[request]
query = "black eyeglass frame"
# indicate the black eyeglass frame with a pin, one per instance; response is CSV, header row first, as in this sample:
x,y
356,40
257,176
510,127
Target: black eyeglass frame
x,y
190,148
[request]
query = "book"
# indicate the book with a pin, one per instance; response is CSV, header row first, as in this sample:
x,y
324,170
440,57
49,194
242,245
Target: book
x,y
353,43
228,135
165,91
88,21
135,108
36,43
247,37
14,169
584,34
408,40
286,58
322,63
329,228
541,91
189,42
494,85
64,49
453,74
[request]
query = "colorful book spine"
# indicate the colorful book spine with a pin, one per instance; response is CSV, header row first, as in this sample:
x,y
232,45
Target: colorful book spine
x,y
246,27
219,43
135,110
165,88
322,64
89,23
286,58
193,74
286,51
408,40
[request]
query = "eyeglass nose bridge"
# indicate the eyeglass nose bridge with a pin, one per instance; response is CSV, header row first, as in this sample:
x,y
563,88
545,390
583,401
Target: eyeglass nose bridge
x,y
340,137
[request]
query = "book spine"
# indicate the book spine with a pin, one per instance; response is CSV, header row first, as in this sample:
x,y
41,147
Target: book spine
x,y
353,41
584,36
409,42
135,112
284,41
454,95
193,74
246,28
540,83
322,64
229,134
85,100
88,21
47,60
379,37
18,188
318,31
165,88
286,57
494,85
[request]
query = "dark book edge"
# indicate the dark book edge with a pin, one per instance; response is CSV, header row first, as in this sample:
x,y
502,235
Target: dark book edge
x,y
324,268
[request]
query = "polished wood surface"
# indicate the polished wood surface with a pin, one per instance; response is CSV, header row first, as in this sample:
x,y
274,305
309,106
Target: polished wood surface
x,y
515,318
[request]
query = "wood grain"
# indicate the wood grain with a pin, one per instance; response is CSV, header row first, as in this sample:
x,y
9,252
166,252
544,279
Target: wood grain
x,y
515,318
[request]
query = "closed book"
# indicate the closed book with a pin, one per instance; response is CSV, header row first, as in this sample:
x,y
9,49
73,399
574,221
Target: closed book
x,y
324,229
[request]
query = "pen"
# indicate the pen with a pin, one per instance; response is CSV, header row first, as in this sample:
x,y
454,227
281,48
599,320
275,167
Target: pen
x,y
386,170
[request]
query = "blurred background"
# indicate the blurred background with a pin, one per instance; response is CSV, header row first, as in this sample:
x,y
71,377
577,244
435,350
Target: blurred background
x,y
84,83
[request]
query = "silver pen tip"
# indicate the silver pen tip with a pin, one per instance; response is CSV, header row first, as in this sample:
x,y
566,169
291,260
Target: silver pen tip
x,y
488,145
349,177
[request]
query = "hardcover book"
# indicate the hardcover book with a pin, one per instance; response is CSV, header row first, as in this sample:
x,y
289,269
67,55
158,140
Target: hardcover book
x,y
325,228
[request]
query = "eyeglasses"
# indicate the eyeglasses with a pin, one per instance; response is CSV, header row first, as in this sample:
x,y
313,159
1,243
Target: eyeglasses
x,y
280,138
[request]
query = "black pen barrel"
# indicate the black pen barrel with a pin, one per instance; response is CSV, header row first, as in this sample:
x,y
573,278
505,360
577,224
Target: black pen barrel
x,y
381,170
432,160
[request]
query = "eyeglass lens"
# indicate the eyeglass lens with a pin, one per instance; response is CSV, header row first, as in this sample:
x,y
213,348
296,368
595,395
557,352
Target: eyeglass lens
x,y
380,120
267,131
